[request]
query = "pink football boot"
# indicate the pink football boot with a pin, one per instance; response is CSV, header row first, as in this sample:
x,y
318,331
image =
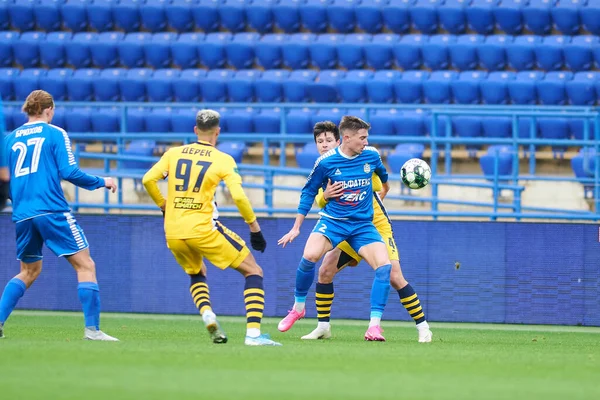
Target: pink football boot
x,y
374,334
289,321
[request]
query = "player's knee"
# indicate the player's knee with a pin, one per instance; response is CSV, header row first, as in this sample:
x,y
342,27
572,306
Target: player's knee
x,y
311,256
30,272
383,273
326,274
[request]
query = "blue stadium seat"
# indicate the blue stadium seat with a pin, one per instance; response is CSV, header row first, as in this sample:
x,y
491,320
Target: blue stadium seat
x,y
183,120
160,87
233,14
552,90
409,89
410,123
74,14
99,15
79,121
80,85
126,14
444,124
307,156
139,148
133,86
341,16
27,81
554,128
465,90
180,15
494,90
206,15
383,122
480,16
352,88
328,114
521,52
8,40
577,128
380,89
584,167
4,21
212,51
59,117
48,16
509,16
324,89
287,15
313,14
351,52
436,90
260,15
525,127
297,121
131,49
396,16
537,17
550,53
135,119
498,159
185,49
582,89
578,54
435,52
496,127
7,88
18,118
78,49
106,86
267,121
214,86
269,88
379,53
452,16
240,121
590,17
565,15
408,53
463,53
323,52
295,87
105,52
240,87
268,50
402,153
55,82
106,120
154,15
158,50
492,53
234,149
424,15
369,15
240,51
27,50
296,53
21,14
468,127
187,87
523,89
158,120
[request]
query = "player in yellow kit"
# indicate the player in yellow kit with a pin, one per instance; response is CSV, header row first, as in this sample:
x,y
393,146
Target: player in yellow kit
x,y
192,228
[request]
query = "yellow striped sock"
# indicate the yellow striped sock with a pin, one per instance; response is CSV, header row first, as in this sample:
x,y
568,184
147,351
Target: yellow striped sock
x,y
254,300
324,300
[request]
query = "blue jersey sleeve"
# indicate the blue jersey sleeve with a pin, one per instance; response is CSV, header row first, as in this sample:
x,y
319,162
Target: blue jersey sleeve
x,y
67,166
311,188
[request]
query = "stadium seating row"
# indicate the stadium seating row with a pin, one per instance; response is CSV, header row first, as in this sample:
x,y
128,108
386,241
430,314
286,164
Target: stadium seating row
x,y
297,51
327,86
300,121
344,16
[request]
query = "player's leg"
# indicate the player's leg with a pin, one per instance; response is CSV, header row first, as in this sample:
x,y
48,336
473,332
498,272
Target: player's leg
x,y
29,252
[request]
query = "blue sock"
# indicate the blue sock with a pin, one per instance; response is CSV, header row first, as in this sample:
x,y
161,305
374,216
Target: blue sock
x,y
305,275
14,290
89,296
380,290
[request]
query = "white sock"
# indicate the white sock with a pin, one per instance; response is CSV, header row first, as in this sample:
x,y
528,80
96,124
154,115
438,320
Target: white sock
x,y
208,314
299,307
423,325
323,325
375,321
253,332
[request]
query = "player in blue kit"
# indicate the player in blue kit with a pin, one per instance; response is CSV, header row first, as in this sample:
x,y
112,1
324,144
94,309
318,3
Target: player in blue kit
x,y
39,156
349,218
3,169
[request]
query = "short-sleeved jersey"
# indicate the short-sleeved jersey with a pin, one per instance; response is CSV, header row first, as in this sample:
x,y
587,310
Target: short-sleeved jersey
x,y
39,155
194,173
356,201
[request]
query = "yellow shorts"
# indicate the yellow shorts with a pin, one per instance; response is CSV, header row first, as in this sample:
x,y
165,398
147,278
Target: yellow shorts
x,y
385,230
222,247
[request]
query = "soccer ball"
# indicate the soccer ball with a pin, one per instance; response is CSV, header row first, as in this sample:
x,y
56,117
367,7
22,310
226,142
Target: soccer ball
x,y
415,173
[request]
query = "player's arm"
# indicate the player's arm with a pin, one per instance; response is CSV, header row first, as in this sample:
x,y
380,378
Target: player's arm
x,y
381,172
159,171
332,191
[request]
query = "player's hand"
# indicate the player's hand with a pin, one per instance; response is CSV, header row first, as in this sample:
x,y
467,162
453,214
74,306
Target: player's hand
x,y
258,242
289,237
384,190
110,184
333,190
162,209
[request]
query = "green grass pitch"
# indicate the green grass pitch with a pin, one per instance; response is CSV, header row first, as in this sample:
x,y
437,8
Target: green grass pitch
x,y
171,357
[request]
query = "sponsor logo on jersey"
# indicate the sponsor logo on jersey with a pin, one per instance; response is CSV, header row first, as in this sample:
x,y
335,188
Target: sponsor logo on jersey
x,y
367,168
187,203
338,172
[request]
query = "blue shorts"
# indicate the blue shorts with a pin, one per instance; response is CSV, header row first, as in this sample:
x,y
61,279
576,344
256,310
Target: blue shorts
x,y
356,233
59,231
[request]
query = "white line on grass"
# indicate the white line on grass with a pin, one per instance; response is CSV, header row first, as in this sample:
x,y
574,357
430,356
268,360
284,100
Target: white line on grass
x,y
345,322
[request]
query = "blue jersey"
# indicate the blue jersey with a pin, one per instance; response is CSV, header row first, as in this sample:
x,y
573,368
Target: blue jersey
x,y
356,201
39,155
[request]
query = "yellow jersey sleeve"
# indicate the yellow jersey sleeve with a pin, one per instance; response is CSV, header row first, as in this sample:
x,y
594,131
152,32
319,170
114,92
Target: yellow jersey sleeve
x,y
233,180
320,198
160,170
376,182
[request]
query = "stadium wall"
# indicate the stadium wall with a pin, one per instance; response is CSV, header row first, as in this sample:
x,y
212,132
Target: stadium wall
x,y
534,273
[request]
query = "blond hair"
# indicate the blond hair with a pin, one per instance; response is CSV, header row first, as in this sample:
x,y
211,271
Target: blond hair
x,y
37,102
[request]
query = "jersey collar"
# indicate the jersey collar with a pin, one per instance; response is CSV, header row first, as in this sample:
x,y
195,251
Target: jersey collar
x,y
202,142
